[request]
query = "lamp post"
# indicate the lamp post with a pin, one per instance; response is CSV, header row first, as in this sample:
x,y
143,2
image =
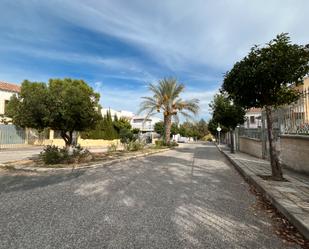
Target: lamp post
x,y
219,130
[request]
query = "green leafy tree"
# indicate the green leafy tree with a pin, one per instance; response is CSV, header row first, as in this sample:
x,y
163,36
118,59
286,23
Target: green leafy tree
x,y
126,136
96,133
159,128
212,127
264,79
166,98
110,132
174,129
66,105
136,131
183,131
121,123
227,114
202,128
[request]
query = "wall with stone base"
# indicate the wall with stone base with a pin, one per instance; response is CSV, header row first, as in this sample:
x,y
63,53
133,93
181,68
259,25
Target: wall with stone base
x,y
295,152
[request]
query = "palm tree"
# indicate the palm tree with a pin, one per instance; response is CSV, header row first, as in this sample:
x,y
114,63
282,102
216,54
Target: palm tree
x,y
166,99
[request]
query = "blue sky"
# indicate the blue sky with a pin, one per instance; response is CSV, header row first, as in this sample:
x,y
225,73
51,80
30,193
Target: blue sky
x,y
120,46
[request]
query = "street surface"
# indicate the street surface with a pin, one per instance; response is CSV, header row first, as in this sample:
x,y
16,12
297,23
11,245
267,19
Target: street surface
x,y
190,197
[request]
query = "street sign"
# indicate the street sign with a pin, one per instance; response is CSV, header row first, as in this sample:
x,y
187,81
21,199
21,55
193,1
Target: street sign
x,y
219,128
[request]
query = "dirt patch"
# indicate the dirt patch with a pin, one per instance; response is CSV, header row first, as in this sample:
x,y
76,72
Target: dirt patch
x,y
281,226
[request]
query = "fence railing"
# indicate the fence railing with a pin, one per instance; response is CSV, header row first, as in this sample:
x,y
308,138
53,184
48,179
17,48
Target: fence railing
x,y
12,136
293,118
255,133
289,119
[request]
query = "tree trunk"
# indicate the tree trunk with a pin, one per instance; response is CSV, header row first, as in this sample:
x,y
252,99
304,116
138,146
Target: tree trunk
x,y
67,137
276,168
232,141
167,129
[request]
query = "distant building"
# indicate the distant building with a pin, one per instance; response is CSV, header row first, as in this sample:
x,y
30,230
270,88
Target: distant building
x,y
253,118
300,109
6,92
120,114
144,125
137,122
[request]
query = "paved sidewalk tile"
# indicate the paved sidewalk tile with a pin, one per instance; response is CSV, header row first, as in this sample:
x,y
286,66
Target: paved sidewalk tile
x,y
291,197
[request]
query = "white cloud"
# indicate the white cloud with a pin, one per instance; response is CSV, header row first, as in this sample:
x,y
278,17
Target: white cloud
x,y
181,33
185,37
129,100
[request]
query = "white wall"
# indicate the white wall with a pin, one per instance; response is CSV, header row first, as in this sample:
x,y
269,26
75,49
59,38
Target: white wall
x,y
257,120
120,114
4,95
148,125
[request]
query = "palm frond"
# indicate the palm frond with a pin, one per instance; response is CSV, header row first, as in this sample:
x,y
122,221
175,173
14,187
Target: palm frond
x,y
166,97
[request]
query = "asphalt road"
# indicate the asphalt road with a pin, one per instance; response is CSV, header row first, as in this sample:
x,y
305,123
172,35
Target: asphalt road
x,y
186,198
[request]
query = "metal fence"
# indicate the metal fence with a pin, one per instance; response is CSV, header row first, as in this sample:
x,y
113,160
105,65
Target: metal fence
x,y
293,118
255,133
289,119
11,136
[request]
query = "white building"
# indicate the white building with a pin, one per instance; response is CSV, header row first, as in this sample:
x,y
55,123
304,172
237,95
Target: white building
x,y
6,92
253,118
120,114
137,122
144,125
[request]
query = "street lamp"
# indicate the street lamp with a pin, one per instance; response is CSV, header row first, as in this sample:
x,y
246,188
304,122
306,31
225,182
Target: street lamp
x,y
219,130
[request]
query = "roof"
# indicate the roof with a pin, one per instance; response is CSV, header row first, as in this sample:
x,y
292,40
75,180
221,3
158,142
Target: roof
x,y
254,110
151,118
5,86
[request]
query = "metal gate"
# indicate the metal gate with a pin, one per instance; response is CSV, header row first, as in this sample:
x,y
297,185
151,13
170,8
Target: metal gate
x,y
11,136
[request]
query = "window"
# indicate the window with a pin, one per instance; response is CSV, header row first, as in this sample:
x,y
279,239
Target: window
x,y
252,120
5,105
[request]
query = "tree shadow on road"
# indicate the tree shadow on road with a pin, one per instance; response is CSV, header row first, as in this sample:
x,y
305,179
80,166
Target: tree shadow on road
x,y
160,201
29,181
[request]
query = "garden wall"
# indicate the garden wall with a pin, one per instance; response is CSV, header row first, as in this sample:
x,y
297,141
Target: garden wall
x,y
295,152
82,142
251,146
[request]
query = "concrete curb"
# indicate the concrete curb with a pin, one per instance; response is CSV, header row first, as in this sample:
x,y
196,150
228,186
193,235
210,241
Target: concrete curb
x,y
92,166
279,204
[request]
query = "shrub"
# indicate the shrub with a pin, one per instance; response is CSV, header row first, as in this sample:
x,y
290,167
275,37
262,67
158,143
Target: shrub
x,y
159,143
126,136
112,147
84,156
173,144
51,154
208,138
135,130
136,145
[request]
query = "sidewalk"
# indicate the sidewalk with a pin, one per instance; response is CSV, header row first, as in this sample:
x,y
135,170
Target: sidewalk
x,y
291,198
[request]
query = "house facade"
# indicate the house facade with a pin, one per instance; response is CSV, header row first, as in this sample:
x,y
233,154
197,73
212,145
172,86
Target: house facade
x,y
144,124
253,118
7,90
137,122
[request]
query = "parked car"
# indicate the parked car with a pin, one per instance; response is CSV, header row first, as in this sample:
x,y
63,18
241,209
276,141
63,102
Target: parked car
x,y
182,140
